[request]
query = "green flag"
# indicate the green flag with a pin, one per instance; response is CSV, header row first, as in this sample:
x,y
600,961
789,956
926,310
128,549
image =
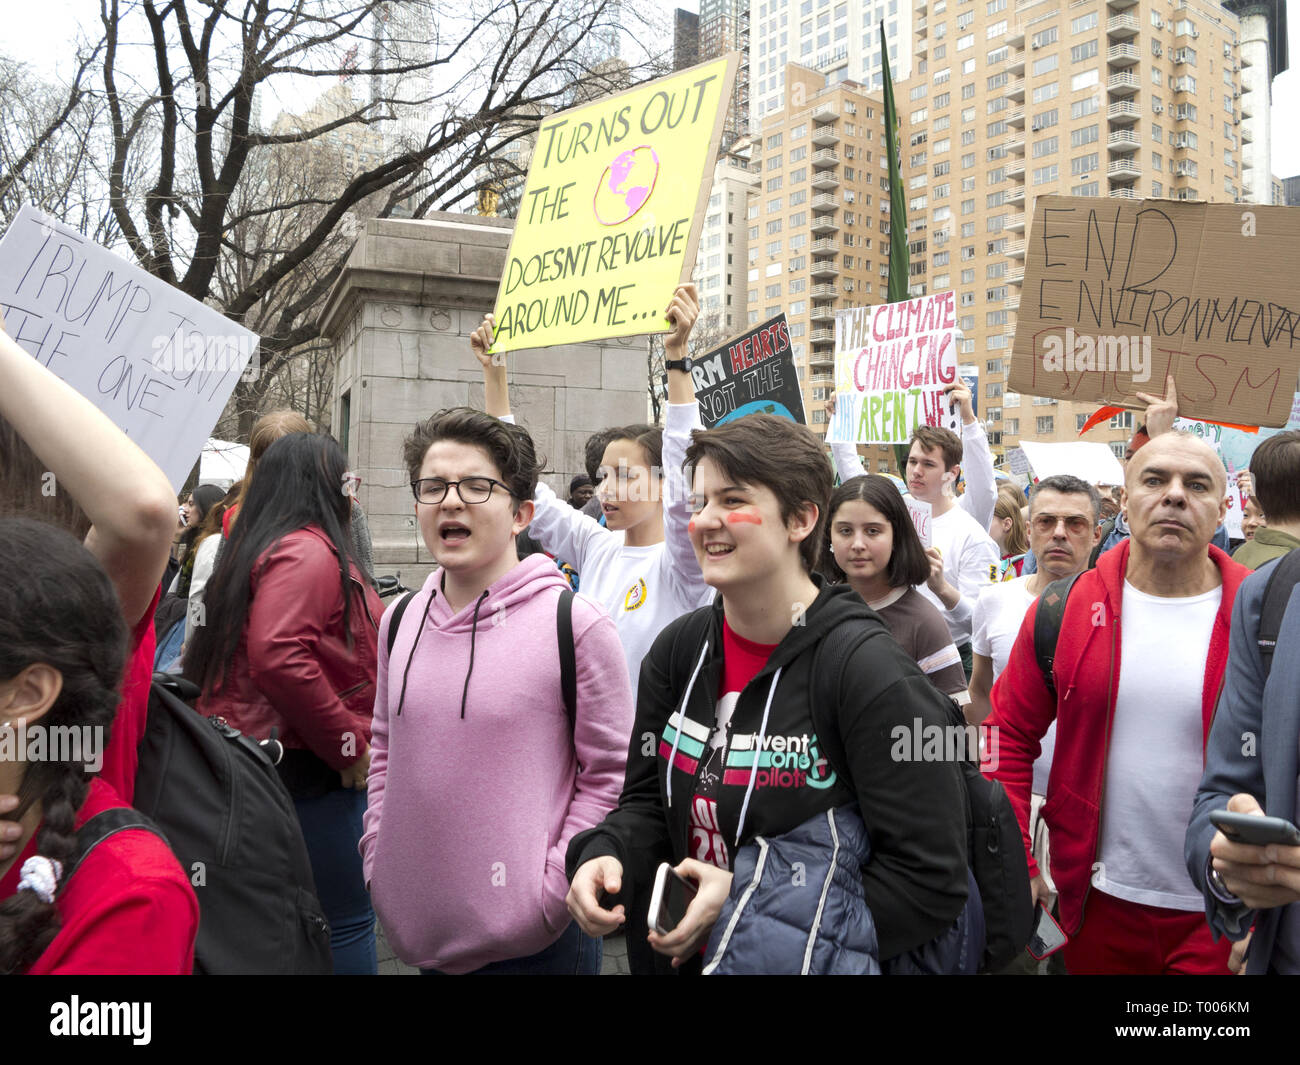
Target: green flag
x,y
897,199
898,265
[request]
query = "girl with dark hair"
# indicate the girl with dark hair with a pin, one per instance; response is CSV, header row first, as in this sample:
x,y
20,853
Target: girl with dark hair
x,y
291,645
169,619
872,544
63,461
128,907
647,575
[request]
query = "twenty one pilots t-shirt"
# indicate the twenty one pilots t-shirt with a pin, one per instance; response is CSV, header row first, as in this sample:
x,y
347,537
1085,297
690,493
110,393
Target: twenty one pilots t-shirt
x,y
741,661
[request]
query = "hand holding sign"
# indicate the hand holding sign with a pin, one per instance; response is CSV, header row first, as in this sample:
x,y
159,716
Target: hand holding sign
x,y
1162,411
959,393
481,340
683,310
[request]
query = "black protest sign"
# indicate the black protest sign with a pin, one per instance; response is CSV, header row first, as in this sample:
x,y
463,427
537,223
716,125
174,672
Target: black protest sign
x,y
750,374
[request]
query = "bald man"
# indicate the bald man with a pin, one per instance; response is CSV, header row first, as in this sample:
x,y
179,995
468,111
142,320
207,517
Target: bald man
x,y
1136,673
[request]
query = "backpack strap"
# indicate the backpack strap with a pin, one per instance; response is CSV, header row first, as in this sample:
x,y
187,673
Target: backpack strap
x,y
101,827
1107,527
1047,626
399,608
568,657
1277,594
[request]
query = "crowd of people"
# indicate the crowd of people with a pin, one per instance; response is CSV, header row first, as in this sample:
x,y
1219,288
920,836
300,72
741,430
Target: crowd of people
x,y
501,772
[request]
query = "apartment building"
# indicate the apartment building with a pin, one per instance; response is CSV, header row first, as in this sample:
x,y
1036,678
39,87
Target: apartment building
x,y
1011,100
720,261
817,222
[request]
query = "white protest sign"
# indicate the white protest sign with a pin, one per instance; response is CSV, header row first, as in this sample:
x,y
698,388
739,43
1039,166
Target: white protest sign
x,y
920,512
156,361
1091,462
1016,461
891,365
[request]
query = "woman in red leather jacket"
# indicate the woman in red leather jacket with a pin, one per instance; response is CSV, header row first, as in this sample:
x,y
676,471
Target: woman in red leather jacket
x,y
290,642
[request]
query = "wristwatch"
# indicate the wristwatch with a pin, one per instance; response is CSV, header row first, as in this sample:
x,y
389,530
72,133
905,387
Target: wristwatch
x,y
684,364
1219,888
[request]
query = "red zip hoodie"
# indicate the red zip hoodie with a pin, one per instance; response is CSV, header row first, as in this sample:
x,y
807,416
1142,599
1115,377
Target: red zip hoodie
x,y
1087,669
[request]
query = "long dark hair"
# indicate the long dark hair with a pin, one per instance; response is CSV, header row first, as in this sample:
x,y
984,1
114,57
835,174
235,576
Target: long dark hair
x,y
206,496
57,607
908,564
299,483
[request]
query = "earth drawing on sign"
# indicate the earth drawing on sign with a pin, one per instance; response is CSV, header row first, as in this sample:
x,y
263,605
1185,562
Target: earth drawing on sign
x,y
626,185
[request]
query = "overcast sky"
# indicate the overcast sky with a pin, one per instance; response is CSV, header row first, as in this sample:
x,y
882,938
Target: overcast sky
x,y
39,34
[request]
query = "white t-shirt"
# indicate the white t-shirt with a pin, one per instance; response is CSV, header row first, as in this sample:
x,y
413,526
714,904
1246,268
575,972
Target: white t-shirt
x,y
969,553
641,588
999,612
1156,755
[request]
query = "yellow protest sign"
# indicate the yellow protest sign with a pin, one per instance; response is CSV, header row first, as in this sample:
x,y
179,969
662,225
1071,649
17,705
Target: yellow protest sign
x,y
612,210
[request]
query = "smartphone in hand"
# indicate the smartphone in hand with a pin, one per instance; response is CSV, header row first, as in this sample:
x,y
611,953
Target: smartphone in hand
x,y
1255,829
1048,937
668,901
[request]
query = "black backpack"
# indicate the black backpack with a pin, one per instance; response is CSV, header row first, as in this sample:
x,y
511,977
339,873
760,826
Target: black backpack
x,y
214,796
1277,594
995,848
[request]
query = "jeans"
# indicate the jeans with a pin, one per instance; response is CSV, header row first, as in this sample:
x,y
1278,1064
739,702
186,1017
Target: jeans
x,y
331,825
574,954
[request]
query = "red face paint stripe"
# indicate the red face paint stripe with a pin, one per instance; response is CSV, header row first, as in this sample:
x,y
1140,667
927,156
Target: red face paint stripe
x,y
739,517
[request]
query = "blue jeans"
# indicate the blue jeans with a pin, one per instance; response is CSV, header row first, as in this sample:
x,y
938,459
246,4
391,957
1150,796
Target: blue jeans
x,y
574,954
331,826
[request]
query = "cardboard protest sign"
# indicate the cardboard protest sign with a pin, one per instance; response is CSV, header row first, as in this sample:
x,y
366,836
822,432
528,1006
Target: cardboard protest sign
x,y
1016,460
1120,293
920,512
1094,463
750,373
612,210
891,365
156,361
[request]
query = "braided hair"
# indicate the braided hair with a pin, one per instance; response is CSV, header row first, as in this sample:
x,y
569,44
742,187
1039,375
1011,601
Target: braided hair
x,y
57,608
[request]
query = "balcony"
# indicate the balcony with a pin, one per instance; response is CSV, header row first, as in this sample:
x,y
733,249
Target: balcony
x,y
1016,195
1124,169
823,292
1123,55
1011,303
822,268
822,336
1015,61
1123,194
1122,26
1015,37
1122,84
1016,169
1124,140
824,112
1123,111
1014,117
1017,275
1015,145
1015,223
821,378
826,157
825,202
920,27
824,223
1246,109
825,246
1014,89
823,312
1016,249
1120,5
822,357
1246,136
825,136
825,179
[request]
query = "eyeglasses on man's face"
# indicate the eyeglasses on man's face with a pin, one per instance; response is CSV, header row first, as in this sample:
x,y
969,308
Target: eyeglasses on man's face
x,y
1075,524
433,490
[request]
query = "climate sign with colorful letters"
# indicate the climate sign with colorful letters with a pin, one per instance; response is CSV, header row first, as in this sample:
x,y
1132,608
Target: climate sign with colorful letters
x,y
611,212
892,363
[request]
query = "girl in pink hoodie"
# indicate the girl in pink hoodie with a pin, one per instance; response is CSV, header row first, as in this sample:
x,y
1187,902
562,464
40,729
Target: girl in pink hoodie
x,y
478,775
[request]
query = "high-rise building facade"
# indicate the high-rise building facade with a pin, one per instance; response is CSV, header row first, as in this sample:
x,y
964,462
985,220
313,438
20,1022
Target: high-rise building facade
x,y
686,39
721,261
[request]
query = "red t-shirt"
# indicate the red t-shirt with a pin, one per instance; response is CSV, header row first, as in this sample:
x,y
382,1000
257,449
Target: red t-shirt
x,y
122,755
741,661
129,909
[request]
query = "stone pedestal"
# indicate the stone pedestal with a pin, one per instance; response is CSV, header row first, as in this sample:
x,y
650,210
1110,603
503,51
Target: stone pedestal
x,y
400,316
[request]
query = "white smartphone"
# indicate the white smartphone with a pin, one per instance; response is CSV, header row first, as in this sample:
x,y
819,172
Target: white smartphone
x,y
1048,936
668,901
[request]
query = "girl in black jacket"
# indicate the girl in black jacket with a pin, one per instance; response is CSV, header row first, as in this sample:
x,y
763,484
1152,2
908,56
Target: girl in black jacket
x,y
736,735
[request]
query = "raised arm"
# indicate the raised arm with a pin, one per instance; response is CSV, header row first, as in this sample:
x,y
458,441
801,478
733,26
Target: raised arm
x,y
125,495
981,494
848,463
681,567
496,390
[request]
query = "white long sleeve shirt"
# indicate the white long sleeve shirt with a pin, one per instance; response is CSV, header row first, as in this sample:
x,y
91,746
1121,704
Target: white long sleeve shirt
x,y
641,588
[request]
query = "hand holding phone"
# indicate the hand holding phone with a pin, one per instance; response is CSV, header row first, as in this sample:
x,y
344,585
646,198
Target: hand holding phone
x,y
1048,936
1254,829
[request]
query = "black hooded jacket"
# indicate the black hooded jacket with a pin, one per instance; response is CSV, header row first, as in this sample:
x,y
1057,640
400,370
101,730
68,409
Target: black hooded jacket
x,y
915,811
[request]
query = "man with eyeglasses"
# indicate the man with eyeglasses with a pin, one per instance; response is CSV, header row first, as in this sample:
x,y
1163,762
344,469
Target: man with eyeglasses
x,y
1063,530
1135,671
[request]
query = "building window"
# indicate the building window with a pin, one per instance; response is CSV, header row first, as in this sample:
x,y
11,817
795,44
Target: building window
x,y
1045,423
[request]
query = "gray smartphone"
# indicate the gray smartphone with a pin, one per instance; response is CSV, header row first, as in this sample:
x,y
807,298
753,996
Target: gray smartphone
x,y
1255,829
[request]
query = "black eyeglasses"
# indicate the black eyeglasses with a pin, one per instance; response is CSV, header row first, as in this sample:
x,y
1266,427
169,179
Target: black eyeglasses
x,y
433,490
